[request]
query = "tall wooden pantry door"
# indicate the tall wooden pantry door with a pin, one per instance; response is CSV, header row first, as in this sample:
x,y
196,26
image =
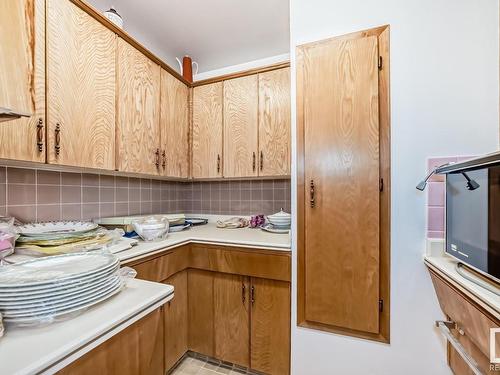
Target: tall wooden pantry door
x,y
340,205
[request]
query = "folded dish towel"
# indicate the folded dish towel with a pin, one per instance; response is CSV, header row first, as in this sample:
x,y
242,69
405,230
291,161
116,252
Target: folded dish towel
x,y
233,223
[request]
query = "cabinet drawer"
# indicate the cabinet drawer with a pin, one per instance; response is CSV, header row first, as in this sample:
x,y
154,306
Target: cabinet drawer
x,y
162,267
468,317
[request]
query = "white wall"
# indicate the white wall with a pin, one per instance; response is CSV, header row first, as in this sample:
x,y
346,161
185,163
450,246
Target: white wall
x,y
444,93
241,67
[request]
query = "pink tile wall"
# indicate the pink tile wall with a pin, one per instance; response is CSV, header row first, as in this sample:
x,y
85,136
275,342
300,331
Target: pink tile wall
x,y
40,195
436,196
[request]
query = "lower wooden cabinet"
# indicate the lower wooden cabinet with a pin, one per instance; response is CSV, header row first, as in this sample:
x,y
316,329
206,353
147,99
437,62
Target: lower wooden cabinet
x,y
176,320
232,318
136,350
270,326
201,311
221,309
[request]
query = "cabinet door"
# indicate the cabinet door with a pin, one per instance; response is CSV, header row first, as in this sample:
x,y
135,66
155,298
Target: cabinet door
x,y
138,124
207,131
176,320
270,326
338,86
241,126
232,318
136,350
201,311
80,88
174,126
274,123
22,58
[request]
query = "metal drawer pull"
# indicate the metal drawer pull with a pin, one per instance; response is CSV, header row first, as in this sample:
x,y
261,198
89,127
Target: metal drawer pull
x,y
218,163
243,293
157,158
57,132
445,326
252,294
253,161
164,156
39,135
312,200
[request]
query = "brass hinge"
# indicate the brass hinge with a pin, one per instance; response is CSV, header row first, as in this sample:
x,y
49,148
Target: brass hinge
x,y
380,305
381,184
380,63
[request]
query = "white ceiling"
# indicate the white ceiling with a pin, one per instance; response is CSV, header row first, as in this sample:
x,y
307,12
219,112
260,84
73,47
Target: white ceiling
x,y
215,33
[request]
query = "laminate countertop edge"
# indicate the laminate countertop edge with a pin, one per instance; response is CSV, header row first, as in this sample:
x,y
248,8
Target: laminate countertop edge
x,y
252,239
49,348
444,266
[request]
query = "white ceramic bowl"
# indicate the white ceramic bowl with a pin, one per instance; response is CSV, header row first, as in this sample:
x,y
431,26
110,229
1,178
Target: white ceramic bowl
x,y
280,219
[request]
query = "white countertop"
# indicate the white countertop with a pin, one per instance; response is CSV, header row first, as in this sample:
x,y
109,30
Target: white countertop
x,y
447,266
210,234
47,349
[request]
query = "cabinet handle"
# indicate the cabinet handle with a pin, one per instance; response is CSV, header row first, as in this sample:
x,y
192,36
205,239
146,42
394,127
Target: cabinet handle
x,y
218,163
39,134
243,292
253,161
157,158
261,160
252,294
164,163
58,139
444,327
311,193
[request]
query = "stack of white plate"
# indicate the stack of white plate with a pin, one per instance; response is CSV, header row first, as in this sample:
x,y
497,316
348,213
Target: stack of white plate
x,y
42,289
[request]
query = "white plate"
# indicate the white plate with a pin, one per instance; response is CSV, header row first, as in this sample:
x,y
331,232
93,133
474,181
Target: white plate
x,y
58,287
56,227
54,269
178,228
51,298
23,311
36,319
70,307
273,229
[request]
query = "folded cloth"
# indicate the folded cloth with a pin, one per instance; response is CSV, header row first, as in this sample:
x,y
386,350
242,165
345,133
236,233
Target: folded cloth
x,y
233,223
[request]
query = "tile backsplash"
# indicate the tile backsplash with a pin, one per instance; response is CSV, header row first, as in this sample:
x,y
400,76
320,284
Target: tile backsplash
x,y
41,195
436,196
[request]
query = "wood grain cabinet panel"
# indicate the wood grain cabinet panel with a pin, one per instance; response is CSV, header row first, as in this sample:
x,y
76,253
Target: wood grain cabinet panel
x,y
201,311
274,123
80,88
22,58
232,318
241,127
174,126
136,350
207,131
138,103
176,320
343,260
270,326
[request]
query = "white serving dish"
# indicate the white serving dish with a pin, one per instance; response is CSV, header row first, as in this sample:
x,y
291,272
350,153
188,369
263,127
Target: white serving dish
x,y
152,228
281,219
273,229
56,227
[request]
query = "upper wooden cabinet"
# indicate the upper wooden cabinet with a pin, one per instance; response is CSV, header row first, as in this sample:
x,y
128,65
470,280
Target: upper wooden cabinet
x,y
138,106
80,88
240,126
274,123
174,126
207,131
22,77
343,132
